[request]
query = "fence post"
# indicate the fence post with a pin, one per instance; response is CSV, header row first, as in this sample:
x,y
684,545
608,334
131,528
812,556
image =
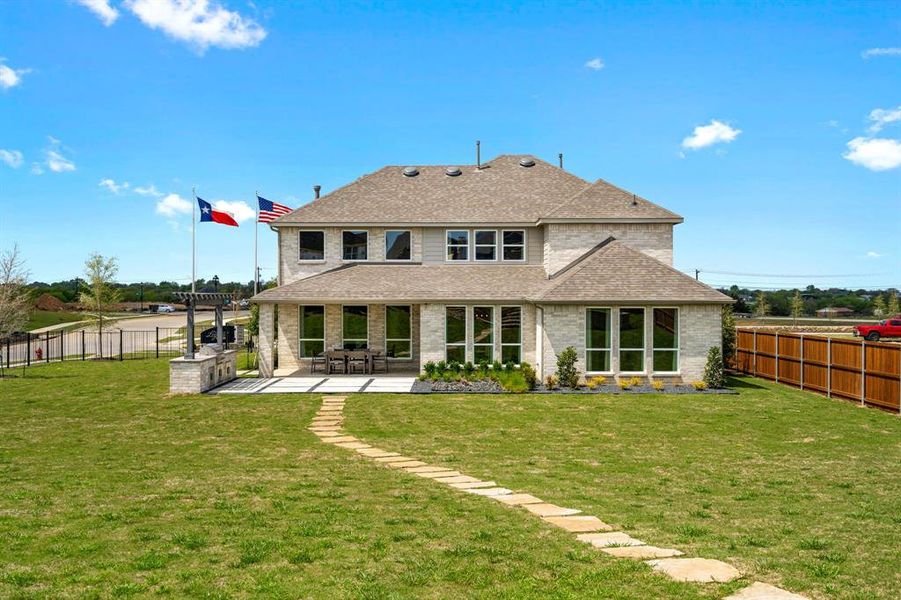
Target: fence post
x,y
27,349
62,346
777,357
754,354
802,362
8,348
157,342
82,344
863,371
829,367
47,346
121,357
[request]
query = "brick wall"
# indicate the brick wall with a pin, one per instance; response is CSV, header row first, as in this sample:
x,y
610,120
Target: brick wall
x,y
564,243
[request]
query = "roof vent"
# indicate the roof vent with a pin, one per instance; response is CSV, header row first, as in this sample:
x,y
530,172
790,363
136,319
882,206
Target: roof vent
x,y
453,172
526,162
411,172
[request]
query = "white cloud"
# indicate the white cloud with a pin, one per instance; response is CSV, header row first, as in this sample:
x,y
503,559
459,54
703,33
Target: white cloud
x,y
112,186
37,169
884,116
173,205
12,158
871,52
874,254
201,23
239,209
54,159
876,154
102,10
707,135
149,190
595,64
9,77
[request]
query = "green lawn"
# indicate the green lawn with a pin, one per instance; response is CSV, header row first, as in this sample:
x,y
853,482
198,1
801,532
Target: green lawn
x,y
110,488
46,318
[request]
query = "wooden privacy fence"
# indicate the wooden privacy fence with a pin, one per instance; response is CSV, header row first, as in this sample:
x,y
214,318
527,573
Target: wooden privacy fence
x,y
867,372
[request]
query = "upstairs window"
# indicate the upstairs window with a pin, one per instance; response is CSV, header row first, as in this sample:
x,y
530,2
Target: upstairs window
x,y
355,245
398,245
312,245
485,245
514,245
457,245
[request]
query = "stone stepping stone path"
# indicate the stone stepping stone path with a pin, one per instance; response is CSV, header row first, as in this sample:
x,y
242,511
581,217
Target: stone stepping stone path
x,y
327,426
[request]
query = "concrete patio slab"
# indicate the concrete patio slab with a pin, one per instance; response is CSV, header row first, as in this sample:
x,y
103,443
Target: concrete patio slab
x,y
579,523
518,499
473,485
764,591
697,570
545,509
641,552
605,540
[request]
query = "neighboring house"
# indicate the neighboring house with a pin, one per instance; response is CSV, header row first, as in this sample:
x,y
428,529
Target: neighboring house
x,y
831,312
514,261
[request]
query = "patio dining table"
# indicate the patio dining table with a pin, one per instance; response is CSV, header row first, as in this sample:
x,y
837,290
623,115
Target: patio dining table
x,y
368,356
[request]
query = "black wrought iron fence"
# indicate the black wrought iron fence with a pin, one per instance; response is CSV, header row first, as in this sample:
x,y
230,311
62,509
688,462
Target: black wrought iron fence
x,y
26,349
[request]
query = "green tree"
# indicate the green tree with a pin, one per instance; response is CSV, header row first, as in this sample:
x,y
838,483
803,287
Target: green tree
x,y
728,333
101,295
761,305
891,307
15,299
797,306
879,307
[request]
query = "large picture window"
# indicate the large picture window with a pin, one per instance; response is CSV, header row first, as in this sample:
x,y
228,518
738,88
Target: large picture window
x,y
485,245
398,332
514,245
597,340
511,334
398,245
458,245
666,340
312,245
631,340
455,333
312,331
355,327
355,245
482,334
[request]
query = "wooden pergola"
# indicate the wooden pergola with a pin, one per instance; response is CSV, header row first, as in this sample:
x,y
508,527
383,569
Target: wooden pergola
x,y
194,299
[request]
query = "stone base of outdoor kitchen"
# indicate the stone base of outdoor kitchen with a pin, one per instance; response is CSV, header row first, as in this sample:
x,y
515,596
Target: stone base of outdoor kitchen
x,y
203,372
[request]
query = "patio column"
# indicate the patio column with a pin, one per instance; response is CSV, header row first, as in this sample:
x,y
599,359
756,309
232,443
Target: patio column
x,y
266,341
288,339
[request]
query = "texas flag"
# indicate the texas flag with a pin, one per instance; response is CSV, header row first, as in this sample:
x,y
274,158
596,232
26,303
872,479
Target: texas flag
x,y
208,213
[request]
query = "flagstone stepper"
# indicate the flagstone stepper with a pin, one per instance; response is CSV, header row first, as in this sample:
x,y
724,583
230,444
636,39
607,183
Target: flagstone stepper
x,y
492,491
393,459
579,523
326,434
377,453
324,428
641,552
439,474
545,509
404,465
613,538
353,445
473,485
428,469
339,439
764,591
457,479
518,499
697,570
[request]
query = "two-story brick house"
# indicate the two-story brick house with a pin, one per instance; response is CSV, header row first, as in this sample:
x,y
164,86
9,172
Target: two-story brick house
x,y
512,260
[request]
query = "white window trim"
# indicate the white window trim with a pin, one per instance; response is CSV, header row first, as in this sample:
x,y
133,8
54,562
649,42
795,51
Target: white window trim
x,y
475,246
324,246
410,339
368,326
472,333
644,338
448,246
608,349
678,341
400,260
500,329
301,340
466,319
368,249
525,246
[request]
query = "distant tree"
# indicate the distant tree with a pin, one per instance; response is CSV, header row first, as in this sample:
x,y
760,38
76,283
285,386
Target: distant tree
x,y
15,297
891,307
101,295
761,306
797,306
728,333
879,307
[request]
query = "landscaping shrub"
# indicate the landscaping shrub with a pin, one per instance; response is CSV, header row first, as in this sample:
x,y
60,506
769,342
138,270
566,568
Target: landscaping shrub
x,y
657,385
529,374
713,370
595,382
469,368
699,385
516,380
635,381
624,384
429,368
567,374
550,382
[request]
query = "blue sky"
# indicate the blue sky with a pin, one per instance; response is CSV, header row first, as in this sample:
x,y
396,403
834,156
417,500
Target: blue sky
x,y
737,117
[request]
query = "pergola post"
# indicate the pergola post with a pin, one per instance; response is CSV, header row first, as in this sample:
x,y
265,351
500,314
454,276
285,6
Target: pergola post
x,y
189,352
219,325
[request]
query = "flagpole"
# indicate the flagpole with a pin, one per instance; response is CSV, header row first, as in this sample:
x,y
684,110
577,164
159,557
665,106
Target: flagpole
x,y
256,230
193,244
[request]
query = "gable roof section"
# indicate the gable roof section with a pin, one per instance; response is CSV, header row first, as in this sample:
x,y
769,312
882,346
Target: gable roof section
x,y
501,191
614,272
602,200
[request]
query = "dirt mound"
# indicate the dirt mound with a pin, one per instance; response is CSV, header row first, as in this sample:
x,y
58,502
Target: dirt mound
x,y
51,303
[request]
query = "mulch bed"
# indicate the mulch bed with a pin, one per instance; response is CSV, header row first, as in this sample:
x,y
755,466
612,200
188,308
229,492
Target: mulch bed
x,y
493,387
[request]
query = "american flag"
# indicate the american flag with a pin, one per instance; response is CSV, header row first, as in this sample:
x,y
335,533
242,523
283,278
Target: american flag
x,y
270,211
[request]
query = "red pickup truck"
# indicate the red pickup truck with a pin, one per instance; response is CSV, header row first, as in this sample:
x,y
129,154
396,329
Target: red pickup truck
x,y
885,329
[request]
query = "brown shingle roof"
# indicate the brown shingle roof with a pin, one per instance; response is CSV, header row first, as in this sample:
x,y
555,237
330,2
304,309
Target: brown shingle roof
x,y
603,200
502,191
615,272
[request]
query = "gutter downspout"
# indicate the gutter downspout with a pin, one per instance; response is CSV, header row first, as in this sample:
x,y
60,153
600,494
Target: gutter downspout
x,y
539,342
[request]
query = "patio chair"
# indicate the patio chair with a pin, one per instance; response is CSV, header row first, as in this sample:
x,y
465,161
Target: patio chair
x,y
357,361
319,361
335,362
379,360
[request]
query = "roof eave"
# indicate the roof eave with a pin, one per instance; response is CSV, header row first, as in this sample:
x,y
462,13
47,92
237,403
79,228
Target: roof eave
x,y
672,220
